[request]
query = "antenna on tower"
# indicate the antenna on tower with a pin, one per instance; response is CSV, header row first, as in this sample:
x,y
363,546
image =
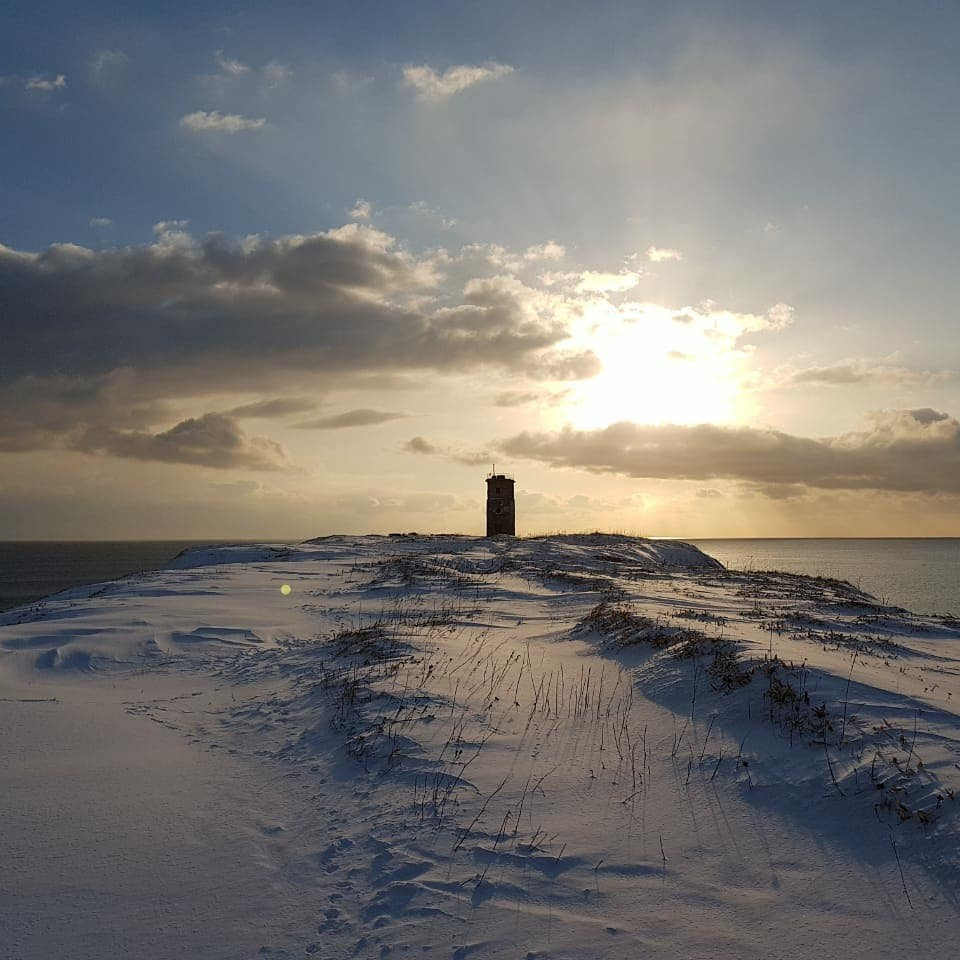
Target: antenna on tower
x,y
493,469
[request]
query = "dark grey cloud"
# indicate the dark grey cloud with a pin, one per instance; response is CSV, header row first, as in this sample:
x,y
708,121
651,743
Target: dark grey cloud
x,y
469,458
213,440
48,412
113,415
420,445
351,418
923,415
97,343
905,450
319,303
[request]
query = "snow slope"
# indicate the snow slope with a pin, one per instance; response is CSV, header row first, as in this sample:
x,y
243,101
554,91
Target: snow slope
x,y
567,747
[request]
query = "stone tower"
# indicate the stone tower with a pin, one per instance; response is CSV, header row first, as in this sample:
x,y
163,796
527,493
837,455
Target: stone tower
x,y
501,510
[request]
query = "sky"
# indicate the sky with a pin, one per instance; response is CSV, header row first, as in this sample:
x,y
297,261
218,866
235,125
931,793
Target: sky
x,y
291,269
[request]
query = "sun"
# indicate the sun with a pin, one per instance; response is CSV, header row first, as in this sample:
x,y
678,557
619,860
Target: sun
x,y
658,366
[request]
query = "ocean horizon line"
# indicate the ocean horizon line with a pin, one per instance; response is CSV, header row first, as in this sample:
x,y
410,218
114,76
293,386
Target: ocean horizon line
x,y
442,533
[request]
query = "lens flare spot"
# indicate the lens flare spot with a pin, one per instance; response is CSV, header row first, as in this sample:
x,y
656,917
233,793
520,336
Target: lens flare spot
x,y
286,589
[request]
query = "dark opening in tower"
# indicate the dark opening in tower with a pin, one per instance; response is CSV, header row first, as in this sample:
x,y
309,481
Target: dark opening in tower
x,y
501,509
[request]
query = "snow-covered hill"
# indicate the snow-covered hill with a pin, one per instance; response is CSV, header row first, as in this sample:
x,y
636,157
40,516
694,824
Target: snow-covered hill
x,y
578,746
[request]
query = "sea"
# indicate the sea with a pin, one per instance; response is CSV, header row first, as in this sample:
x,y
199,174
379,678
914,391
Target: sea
x,y
31,570
922,575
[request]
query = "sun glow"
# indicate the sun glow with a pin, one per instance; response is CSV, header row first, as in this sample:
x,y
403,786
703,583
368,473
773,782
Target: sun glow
x,y
660,366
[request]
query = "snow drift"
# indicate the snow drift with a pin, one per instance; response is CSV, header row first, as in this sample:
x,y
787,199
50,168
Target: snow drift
x,y
580,746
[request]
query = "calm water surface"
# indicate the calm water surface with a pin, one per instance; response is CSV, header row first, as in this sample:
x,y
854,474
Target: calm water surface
x,y
922,575
34,569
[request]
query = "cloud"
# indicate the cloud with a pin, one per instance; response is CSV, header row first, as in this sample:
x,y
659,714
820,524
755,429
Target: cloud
x,y
52,411
238,488
114,343
325,303
420,445
515,398
36,83
45,83
470,458
662,254
778,491
858,370
268,409
167,226
545,251
600,282
115,415
904,450
212,440
421,208
433,86
779,317
715,322
351,418
361,210
265,78
573,365
273,73
101,223
596,281
229,66
104,61
518,398
201,120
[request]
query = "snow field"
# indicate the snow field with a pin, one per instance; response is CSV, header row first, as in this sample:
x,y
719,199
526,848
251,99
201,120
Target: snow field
x,y
440,746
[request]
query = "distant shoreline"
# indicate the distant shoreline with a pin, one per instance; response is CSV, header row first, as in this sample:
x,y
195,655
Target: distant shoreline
x,y
229,540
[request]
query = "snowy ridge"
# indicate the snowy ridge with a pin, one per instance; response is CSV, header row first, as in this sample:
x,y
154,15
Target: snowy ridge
x,y
578,746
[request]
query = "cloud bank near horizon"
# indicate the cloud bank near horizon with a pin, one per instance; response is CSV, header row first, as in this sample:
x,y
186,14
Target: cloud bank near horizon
x,y
904,450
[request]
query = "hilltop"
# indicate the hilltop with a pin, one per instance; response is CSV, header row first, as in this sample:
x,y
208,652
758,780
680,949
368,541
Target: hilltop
x,y
570,746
